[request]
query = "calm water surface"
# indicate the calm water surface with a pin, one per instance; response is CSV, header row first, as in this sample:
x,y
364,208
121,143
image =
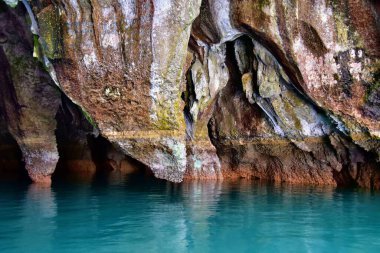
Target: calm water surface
x,y
154,216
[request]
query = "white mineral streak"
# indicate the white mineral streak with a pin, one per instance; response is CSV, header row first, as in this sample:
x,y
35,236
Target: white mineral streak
x,y
34,26
175,156
313,124
170,35
220,10
313,66
326,16
109,35
89,59
84,26
128,8
276,127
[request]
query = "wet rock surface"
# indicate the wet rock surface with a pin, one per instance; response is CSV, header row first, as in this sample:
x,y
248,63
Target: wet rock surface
x,y
277,90
29,98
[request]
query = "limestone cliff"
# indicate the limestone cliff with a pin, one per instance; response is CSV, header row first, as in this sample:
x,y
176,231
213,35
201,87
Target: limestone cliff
x,y
270,89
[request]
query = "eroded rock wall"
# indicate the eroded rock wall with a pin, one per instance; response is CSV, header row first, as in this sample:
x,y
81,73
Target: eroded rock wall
x,y
29,100
123,62
271,89
289,113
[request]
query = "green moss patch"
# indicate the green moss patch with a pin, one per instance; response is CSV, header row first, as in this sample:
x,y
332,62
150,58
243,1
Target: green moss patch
x,y
50,31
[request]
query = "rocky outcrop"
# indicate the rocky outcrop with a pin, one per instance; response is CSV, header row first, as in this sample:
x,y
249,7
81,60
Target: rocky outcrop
x,y
285,115
122,62
269,89
331,49
29,100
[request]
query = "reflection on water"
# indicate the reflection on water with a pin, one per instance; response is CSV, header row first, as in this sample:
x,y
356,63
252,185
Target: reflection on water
x,y
136,215
38,217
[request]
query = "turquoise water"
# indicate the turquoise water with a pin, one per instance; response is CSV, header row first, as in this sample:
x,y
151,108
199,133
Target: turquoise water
x,y
136,215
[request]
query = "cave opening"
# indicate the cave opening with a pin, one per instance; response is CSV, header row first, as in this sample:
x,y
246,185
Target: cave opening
x,y
86,156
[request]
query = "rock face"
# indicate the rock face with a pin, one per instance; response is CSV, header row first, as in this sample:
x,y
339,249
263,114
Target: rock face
x,y
29,100
122,62
269,89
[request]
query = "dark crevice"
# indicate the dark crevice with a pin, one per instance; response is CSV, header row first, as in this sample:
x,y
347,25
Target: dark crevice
x,y
196,49
232,65
189,97
312,39
290,68
109,160
12,167
86,156
344,178
71,135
